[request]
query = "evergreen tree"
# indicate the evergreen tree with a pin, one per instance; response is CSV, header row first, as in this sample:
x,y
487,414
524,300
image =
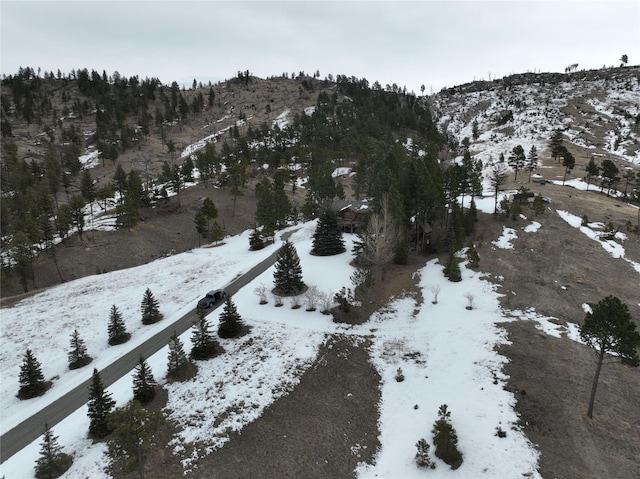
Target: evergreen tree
x,y
592,170
538,205
215,233
327,239
609,329
201,224
209,210
204,344
497,176
230,321
473,257
117,329
452,269
532,161
144,385
255,240
445,439
134,430
422,456
265,206
149,307
568,161
177,359
555,143
52,462
99,405
31,379
288,274
78,356
281,203
517,159
609,172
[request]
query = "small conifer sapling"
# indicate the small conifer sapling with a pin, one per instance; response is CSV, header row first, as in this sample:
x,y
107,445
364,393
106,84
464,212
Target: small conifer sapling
x,y
144,385
117,330
177,358
78,356
31,379
52,462
230,321
149,308
100,404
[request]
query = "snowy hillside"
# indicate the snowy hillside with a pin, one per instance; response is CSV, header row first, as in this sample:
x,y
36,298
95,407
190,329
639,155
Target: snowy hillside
x,y
599,117
282,344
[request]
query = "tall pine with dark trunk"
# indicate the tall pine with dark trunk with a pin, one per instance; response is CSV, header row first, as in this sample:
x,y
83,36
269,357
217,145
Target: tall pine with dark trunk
x,y
288,274
609,330
100,404
31,379
144,385
149,308
327,239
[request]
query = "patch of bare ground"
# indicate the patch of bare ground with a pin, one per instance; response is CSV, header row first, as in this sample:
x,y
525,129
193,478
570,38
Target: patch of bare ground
x,y
323,428
556,270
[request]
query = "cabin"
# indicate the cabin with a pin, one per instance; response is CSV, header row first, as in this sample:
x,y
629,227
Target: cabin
x,y
351,215
423,235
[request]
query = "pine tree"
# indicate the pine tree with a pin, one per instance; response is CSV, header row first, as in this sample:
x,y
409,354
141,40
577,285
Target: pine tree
x,y
204,344
555,143
452,269
517,159
609,328
99,405
592,170
177,359
422,456
532,161
230,321
288,274
215,233
144,385
52,462
327,239
149,308
32,381
445,439
117,330
255,240
78,356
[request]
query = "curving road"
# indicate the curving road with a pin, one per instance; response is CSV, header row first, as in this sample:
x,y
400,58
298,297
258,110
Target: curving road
x,y
30,429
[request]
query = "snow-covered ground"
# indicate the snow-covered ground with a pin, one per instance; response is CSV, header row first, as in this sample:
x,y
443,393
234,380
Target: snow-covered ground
x,y
457,363
454,359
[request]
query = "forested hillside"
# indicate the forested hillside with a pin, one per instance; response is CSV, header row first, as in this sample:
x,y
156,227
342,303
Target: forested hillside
x,y
517,200
86,151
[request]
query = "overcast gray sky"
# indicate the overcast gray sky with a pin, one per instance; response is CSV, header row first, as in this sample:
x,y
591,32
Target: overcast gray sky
x,y
410,43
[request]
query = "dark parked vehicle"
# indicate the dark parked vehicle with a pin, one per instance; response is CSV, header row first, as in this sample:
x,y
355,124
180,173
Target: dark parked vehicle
x,y
211,298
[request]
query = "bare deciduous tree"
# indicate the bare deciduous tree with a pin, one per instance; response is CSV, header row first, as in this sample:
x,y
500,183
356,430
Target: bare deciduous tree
x,y
381,238
435,290
470,297
261,291
312,297
326,302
